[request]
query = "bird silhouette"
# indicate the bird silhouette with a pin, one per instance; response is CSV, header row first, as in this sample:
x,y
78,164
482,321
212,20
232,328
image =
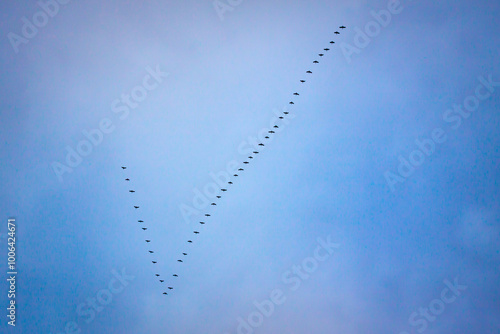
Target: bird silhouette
x,y
240,169
336,33
230,182
308,72
148,240
151,252
170,287
250,157
255,152
235,175
342,27
275,126
281,117
165,293
206,214
144,228
157,275
154,261
213,204
327,49
315,62
202,223
124,167
261,144
218,196
267,137
321,54
141,221
162,281
245,162
302,81
179,261
271,131
175,275
285,112
132,191
332,42
127,179
184,253
295,93
196,232
135,206
224,189
190,241
291,102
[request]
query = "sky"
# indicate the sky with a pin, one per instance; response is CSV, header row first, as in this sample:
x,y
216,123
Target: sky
x,y
372,208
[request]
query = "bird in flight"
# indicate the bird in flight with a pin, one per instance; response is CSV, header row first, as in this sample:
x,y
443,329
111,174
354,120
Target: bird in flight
x,y
302,81
213,204
157,275
141,221
184,253
224,189
327,49
151,251
206,214
175,275
315,62
124,167
336,33
165,293
170,287
308,72
154,261
245,162
162,281
190,241
135,206
144,228
271,131
127,179
148,240
235,175
321,54
230,182
295,93
342,27
261,144
255,152
179,260
332,42
291,102
202,223
196,232
132,191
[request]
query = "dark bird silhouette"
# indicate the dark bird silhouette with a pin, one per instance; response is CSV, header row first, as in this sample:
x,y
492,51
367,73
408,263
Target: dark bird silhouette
x,y
250,157
165,293
235,175
157,275
213,204
240,169
332,42
308,72
285,112
202,223
281,117
206,214
127,179
218,196
190,241
261,144
179,261
342,27
336,33
327,49
124,167
321,54
132,191
135,206
151,252
154,261
148,240
302,81
184,253
196,232
224,189
141,221
295,93
144,228
275,126
291,102
315,62
170,287
162,281
245,162
271,131
230,182
267,137
175,275
255,152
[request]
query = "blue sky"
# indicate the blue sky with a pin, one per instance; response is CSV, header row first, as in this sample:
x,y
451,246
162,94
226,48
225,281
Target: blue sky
x,y
415,255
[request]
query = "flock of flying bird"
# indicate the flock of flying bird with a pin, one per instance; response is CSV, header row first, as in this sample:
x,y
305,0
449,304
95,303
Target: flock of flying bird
x,y
223,189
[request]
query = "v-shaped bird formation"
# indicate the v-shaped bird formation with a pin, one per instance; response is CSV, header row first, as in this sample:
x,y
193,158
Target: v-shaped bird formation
x,y
271,132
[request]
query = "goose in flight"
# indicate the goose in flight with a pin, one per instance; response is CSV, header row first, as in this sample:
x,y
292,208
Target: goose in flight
x,y
127,179
124,167
218,196
276,125
308,72
302,81
154,261
141,221
144,228
230,182
271,131
245,162
332,42
235,175
321,54
336,33
148,240
342,27
295,93
131,191
162,281
196,232
179,261
157,275
175,275
202,223
190,241
213,204
281,117
165,293
291,102
151,252
255,152
135,206
206,214
170,287
326,49
224,189
261,144
286,113
250,157
184,253
315,62
267,137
